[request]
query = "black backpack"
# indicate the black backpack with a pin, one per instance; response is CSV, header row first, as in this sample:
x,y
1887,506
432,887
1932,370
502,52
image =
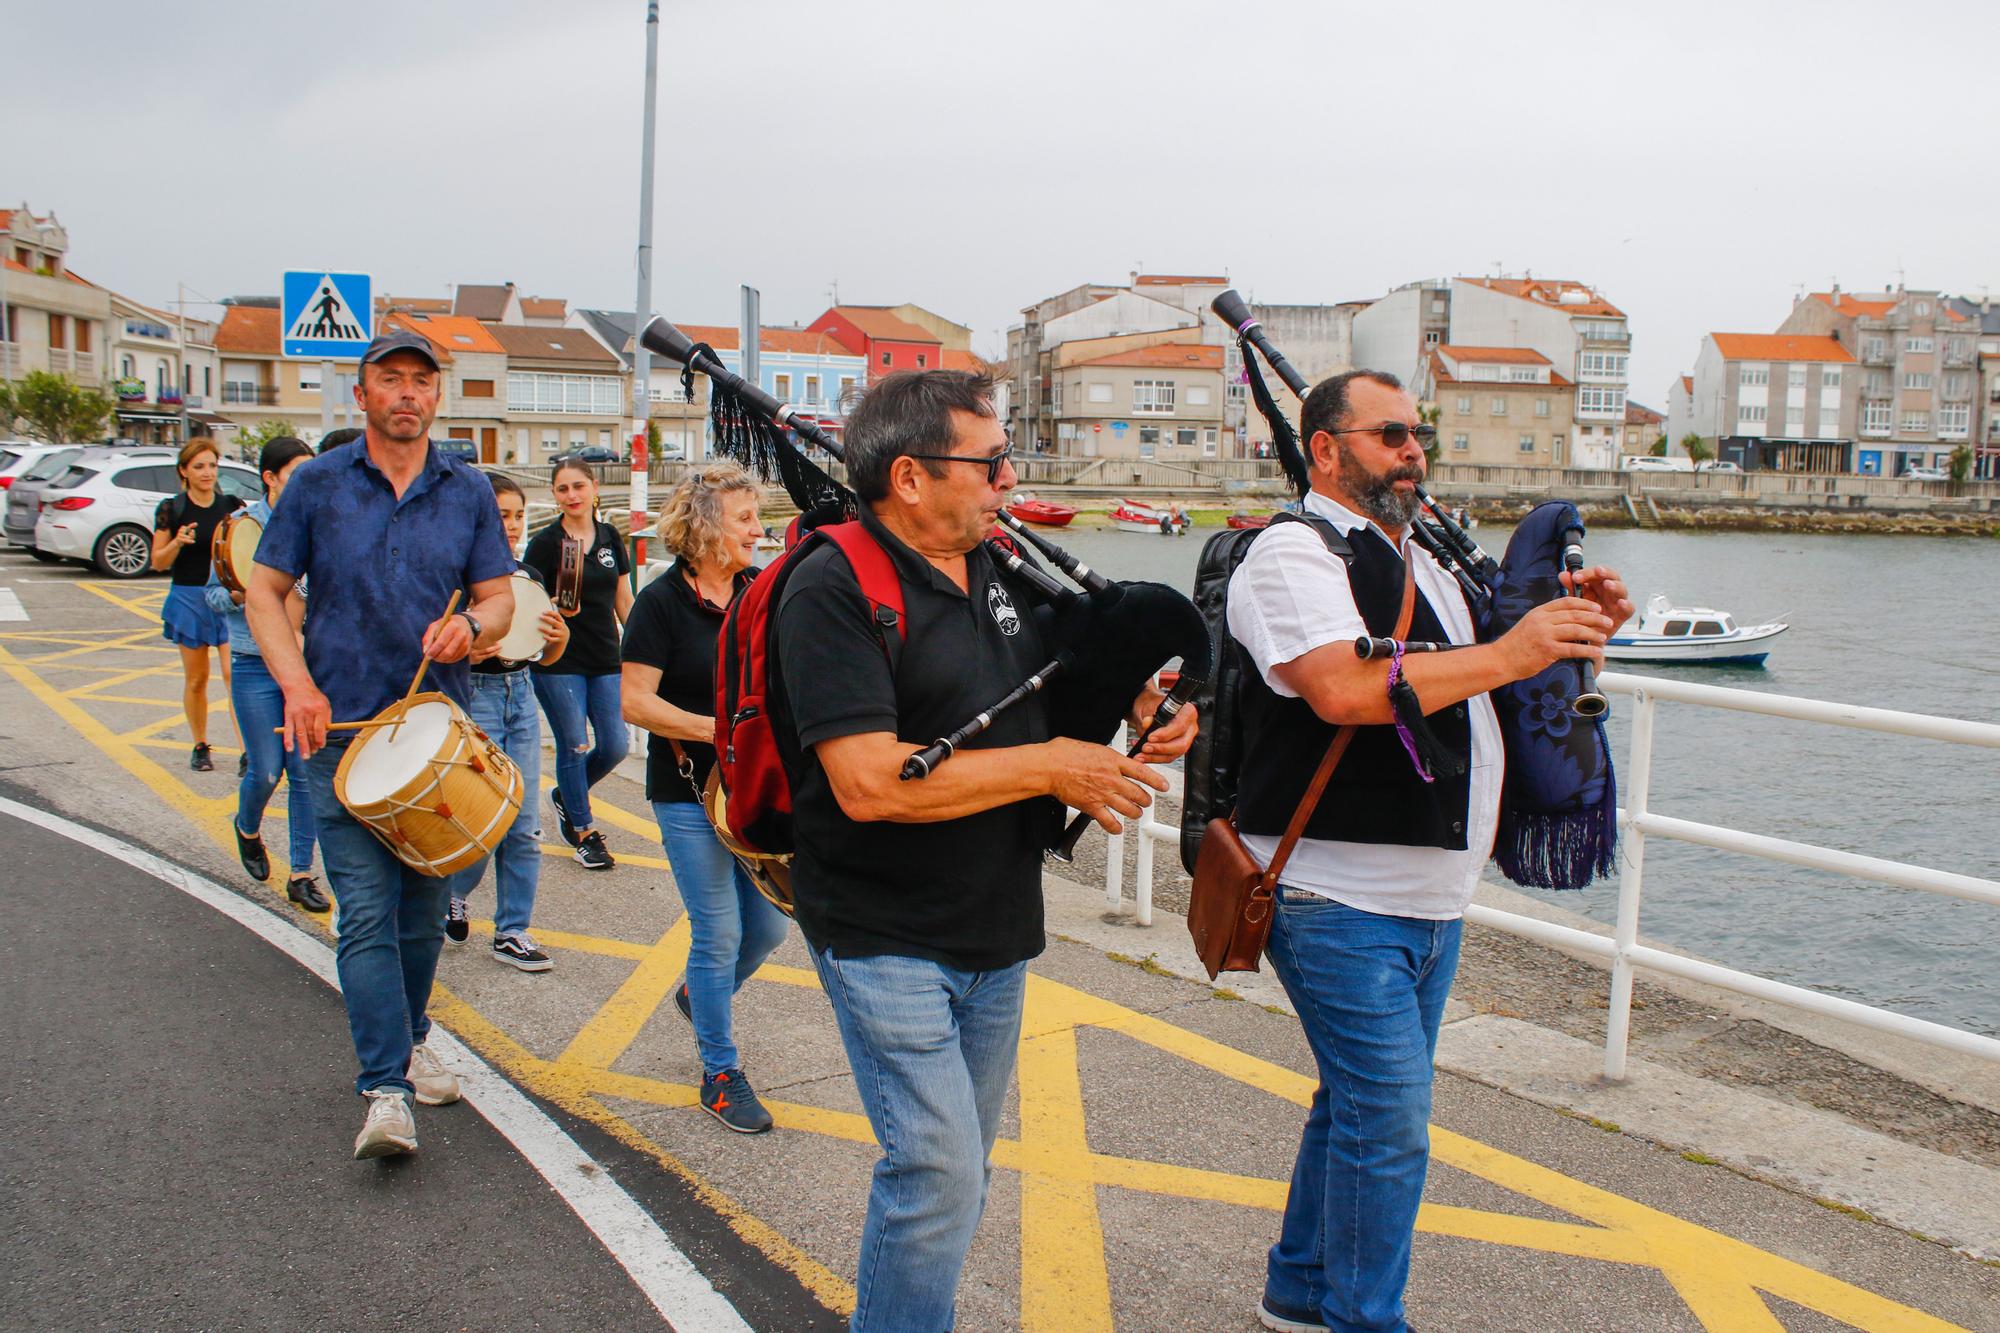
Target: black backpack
x,y
1213,768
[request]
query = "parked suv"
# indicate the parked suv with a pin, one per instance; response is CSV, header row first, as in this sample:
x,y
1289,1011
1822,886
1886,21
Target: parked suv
x,y
18,456
101,510
24,492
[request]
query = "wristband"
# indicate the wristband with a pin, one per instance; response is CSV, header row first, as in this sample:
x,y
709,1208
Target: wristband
x,y
471,623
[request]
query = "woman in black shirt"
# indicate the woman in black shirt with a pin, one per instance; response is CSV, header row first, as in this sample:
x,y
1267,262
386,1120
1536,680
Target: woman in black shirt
x,y
710,523
579,693
183,540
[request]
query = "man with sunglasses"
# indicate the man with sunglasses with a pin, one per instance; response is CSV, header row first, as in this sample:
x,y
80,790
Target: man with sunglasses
x,y
922,901
1365,937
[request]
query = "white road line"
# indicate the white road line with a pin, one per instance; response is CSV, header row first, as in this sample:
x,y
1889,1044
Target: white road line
x,y
10,605
677,1289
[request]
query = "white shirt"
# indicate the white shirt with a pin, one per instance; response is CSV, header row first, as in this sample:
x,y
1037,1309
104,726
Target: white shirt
x,y
1291,595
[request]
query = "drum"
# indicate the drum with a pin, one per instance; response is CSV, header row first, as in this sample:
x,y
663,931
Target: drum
x,y
771,874
523,642
235,549
437,791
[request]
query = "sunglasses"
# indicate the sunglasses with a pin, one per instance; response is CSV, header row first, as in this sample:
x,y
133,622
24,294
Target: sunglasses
x,y
992,464
1395,434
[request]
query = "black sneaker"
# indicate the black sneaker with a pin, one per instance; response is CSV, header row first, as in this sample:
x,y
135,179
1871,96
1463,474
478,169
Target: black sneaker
x,y
522,952
201,763
304,890
563,826
681,1003
456,927
250,851
730,1098
592,854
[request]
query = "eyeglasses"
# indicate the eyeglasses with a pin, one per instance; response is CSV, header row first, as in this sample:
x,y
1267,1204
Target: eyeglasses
x,y
992,464
1395,434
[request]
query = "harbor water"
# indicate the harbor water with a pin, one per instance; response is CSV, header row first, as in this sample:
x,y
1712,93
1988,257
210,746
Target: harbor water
x,y
1889,622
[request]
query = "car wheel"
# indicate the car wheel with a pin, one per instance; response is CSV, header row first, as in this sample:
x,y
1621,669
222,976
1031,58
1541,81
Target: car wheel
x,y
124,552
46,557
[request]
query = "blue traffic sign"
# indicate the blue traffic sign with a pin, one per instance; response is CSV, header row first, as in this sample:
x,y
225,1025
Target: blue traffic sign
x,y
327,316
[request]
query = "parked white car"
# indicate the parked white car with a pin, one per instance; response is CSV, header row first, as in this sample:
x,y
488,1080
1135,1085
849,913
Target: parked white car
x,y
1927,474
101,511
1649,463
17,456
1711,465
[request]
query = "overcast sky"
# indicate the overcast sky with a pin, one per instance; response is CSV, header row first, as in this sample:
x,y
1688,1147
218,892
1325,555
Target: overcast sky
x,y
1698,163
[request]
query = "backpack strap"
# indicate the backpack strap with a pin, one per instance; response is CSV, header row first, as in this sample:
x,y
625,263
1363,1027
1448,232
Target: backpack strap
x,y
1335,540
880,585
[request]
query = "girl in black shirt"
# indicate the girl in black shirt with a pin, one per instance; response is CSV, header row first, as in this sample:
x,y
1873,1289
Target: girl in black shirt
x,y
579,693
183,541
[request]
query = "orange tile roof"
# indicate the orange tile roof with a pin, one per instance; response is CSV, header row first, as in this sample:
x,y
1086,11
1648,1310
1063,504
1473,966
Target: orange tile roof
x,y
1779,347
801,342
1549,292
1174,356
877,322
544,307
450,333
1177,280
249,328
537,343
416,305
1638,414
1687,385
1509,356
954,359
1865,307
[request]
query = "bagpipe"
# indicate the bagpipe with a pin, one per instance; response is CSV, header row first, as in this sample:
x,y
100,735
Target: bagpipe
x,y
1559,805
1109,639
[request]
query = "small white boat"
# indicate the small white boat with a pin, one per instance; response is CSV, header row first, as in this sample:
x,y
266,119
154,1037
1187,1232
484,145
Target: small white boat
x,y
1697,635
1135,516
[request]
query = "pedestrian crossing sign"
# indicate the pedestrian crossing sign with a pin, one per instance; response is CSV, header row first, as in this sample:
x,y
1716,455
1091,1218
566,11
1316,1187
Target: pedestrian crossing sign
x,y
327,316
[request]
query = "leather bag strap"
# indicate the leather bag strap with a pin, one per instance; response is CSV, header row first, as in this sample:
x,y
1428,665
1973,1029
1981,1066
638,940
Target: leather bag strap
x,y
1341,740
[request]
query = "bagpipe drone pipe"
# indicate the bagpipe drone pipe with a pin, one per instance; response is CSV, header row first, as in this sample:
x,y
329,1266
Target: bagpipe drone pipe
x,y
1559,805
1108,639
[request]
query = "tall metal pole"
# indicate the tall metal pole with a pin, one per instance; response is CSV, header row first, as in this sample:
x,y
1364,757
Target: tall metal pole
x,y
751,333
642,301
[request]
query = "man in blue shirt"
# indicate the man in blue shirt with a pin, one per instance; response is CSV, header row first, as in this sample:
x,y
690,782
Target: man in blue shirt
x,y
384,530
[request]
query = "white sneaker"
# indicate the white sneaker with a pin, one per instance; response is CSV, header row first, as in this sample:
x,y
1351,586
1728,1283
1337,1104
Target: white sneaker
x,y
390,1127
435,1085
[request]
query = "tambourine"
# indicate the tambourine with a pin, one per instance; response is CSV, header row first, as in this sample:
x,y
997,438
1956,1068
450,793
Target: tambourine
x,y
569,575
234,550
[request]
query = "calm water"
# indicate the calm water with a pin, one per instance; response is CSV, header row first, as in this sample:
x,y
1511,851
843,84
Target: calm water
x,y
1892,622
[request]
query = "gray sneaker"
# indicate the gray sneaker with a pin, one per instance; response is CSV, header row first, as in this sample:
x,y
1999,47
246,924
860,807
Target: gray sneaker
x,y
435,1085
390,1127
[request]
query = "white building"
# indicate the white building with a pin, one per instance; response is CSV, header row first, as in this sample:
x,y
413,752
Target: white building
x,y
1571,324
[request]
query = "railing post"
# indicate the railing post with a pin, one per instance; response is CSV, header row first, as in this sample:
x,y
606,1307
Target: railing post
x,y
1632,857
1114,852
1142,873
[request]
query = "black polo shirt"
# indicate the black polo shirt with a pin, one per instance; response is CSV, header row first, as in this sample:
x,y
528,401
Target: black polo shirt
x,y
963,892
674,628
593,630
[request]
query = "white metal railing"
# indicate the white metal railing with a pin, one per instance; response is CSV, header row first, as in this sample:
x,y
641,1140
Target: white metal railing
x,y
1637,820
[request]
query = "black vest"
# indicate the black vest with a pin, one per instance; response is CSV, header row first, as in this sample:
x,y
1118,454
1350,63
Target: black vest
x,y
1375,795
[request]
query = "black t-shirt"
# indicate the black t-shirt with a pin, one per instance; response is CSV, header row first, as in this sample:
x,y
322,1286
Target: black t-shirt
x,y
674,629
192,564
964,892
593,630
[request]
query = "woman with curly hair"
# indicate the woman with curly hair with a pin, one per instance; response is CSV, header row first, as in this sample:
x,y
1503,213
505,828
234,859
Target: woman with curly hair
x,y
709,523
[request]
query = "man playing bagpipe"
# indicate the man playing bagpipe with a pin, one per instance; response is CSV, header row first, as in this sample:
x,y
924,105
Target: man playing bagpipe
x,y
1366,931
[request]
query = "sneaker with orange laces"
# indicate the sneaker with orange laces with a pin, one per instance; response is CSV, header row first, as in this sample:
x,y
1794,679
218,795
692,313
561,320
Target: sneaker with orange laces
x,y
729,1097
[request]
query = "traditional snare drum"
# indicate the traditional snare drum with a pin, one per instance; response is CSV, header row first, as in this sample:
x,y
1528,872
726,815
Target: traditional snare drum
x,y
235,549
569,574
437,790
523,641
771,874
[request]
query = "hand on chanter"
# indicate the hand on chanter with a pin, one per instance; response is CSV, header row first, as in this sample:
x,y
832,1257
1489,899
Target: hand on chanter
x,y
1100,782
1601,584
1174,737
1567,627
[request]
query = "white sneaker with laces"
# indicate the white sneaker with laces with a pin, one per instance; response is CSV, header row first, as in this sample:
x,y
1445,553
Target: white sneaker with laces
x,y
390,1127
435,1085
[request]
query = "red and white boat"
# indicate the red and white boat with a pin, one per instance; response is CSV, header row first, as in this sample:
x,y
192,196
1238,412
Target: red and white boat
x,y
1134,516
1047,513
1249,520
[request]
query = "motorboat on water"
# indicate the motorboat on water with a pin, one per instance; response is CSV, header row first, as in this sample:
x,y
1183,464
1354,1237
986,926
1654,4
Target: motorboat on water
x,y
1696,635
1045,512
1241,521
1135,516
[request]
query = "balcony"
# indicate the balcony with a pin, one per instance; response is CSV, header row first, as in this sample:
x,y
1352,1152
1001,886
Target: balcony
x,y
1878,354
248,395
79,366
10,363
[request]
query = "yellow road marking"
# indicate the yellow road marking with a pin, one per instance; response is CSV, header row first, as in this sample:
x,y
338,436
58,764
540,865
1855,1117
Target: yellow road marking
x,y
138,673
1063,1280
616,1025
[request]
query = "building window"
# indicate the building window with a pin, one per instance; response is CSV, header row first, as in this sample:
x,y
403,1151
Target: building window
x,y
1954,419
535,391
885,358
1498,407
1753,374
1153,396
1149,435
1795,376
1184,437
846,388
551,441
1541,407
308,377
1099,393
1923,308
1918,345
1527,444
1525,375
1957,384
1208,442
1915,423
1465,404
1875,418
1607,364
127,367
475,388
781,387
812,389
1600,401
922,361
1916,379
604,439
1198,395
1055,396
1431,338
1829,378
1750,412
1459,443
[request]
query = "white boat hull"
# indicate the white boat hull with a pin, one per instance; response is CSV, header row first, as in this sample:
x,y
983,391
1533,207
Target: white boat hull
x,y
1745,647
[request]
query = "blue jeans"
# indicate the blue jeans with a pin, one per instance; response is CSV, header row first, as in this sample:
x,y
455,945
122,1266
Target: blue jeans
x,y
391,931
589,727
931,1048
1370,991
733,927
260,706
503,706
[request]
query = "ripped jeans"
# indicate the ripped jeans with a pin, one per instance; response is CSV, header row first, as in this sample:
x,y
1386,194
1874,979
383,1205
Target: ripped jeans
x,y
589,731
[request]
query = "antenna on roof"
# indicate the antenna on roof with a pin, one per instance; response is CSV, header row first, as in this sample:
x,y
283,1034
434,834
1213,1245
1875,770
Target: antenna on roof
x,y
833,293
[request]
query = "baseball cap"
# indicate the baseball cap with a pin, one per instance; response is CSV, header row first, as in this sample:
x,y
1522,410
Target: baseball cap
x,y
402,340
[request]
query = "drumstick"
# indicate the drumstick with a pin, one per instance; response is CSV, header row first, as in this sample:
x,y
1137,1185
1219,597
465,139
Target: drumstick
x,y
422,667
352,726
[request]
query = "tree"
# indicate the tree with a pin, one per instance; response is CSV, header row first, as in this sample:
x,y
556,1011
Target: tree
x,y
54,408
1659,449
1696,448
1961,465
250,443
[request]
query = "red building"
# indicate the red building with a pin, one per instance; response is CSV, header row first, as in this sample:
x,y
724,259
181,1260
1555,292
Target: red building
x,y
887,342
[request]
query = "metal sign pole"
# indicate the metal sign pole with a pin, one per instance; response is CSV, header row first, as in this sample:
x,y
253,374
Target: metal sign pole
x,y
642,303
328,382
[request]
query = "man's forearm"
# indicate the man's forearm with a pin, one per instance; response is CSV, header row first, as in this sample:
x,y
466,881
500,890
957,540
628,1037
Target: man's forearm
x,y
276,639
1357,692
864,773
495,615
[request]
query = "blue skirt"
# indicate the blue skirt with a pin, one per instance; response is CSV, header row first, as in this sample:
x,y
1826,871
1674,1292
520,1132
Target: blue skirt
x,y
187,619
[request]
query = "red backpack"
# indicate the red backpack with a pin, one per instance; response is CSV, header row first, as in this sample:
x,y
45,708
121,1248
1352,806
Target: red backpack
x,y
747,753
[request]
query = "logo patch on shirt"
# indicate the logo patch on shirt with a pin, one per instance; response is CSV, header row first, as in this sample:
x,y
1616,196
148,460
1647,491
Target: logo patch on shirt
x,y
605,558
1004,614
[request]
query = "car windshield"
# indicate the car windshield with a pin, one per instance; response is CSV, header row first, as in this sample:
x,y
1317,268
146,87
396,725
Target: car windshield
x,y
75,476
52,465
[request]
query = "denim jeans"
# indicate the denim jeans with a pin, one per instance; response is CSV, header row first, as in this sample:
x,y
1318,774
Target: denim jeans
x,y
589,727
260,706
1370,991
503,706
733,927
391,931
931,1048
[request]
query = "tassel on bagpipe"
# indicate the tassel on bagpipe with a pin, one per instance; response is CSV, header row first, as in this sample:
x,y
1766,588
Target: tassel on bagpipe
x,y
1559,805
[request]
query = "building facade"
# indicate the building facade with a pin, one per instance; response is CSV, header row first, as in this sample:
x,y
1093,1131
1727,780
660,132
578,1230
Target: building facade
x,y
1498,406
1776,402
1584,336
1643,427
888,342
50,319
147,372
1164,401
565,391
472,369
1984,314
1918,360
258,384
1398,332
